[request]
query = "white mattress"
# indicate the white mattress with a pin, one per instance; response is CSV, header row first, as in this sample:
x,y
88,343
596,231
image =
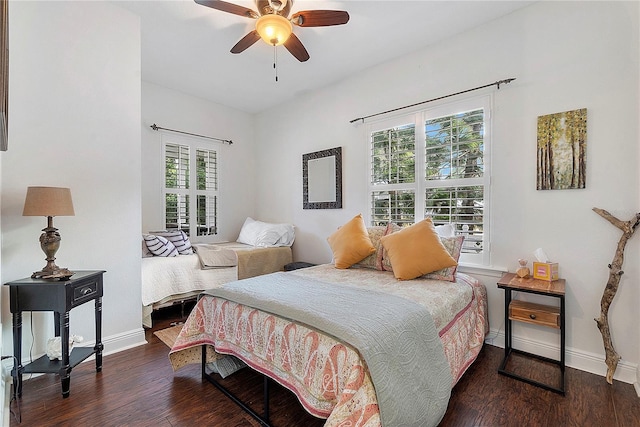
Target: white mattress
x,y
163,277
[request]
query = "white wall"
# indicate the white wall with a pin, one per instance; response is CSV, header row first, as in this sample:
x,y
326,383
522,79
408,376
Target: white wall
x,y
637,382
565,55
174,110
74,121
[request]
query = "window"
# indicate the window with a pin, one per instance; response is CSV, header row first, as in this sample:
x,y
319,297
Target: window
x,y
190,188
434,163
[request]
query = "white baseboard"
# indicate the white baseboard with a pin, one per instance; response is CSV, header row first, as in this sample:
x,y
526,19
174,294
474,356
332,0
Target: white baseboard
x,y
578,359
112,344
123,341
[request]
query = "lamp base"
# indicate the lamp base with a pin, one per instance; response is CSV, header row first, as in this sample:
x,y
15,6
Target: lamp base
x,y
50,242
58,274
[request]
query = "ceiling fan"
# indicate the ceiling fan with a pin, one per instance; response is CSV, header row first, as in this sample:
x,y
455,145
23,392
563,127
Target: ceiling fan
x,y
275,26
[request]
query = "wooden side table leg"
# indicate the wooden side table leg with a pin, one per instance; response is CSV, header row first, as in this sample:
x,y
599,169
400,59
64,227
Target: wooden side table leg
x,y
17,355
507,323
56,323
563,334
99,346
65,369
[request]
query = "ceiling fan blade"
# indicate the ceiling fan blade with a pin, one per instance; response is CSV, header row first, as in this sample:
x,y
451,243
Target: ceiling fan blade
x,y
319,18
246,42
228,7
296,48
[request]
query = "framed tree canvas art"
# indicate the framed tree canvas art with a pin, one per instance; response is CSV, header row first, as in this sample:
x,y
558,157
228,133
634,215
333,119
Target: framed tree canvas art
x,y
562,150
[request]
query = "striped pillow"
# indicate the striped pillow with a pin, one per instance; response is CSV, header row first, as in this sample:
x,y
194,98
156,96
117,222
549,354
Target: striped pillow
x,y
179,239
159,246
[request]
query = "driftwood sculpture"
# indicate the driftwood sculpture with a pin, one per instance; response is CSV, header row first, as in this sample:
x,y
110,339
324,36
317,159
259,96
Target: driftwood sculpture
x,y
615,272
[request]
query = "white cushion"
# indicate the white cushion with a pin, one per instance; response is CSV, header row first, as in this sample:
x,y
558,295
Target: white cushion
x,y
446,230
249,232
159,246
258,233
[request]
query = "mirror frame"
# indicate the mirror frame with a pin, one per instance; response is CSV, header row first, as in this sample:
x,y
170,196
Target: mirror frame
x,y
306,204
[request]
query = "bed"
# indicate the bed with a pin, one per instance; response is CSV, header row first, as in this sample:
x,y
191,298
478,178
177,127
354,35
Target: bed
x,y
332,378
170,280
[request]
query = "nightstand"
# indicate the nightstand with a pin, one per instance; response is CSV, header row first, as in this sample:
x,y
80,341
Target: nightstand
x,y
538,314
297,265
60,297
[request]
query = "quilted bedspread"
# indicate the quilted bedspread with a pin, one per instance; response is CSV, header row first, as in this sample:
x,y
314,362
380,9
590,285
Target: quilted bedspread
x,y
331,378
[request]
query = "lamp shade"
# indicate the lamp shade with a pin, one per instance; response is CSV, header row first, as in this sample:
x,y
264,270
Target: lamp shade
x,y
48,201
274,29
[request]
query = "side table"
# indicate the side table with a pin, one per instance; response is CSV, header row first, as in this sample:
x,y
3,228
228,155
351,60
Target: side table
x,y
297,265
539,314
60,297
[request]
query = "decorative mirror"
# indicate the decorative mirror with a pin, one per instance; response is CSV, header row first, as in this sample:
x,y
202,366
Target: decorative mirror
x,y
322,179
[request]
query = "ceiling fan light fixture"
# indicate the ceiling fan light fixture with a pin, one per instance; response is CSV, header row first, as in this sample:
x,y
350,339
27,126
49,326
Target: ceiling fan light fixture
x,y
274,29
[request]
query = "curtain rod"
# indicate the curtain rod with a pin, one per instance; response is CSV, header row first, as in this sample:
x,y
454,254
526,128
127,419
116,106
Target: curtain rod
x,y
156,127
498,83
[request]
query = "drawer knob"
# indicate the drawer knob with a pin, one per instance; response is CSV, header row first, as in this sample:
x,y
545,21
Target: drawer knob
x,y
86,291
532,316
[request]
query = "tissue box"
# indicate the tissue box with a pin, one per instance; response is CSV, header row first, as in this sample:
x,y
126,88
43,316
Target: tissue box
x,y
545,271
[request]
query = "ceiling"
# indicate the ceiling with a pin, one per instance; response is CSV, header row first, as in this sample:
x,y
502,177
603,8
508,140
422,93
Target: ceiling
x,y
185,46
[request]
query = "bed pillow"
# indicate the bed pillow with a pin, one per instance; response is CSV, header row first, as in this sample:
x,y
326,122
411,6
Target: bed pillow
x,y
258,233
453,245
146,253
179,239
375,259
392,227
275,234
248,232
416,250
446,230
451,242
350,243
159,246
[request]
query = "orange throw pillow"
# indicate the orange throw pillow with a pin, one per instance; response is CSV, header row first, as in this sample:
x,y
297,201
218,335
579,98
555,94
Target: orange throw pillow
x,y
351,243
416,251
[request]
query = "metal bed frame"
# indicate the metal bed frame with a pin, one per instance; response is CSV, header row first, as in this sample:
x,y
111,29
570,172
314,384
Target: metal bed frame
x,y
262,419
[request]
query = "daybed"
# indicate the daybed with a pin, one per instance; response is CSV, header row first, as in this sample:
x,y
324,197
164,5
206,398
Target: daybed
x,y
261,248
167,280
356,345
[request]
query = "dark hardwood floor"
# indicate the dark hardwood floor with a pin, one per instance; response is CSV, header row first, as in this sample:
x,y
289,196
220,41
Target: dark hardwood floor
x,y
137,387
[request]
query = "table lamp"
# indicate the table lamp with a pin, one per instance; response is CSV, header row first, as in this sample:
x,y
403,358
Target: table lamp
x,y
49,202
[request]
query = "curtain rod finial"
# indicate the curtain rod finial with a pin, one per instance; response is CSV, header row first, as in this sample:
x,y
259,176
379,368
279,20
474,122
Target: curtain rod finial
x,y
505,81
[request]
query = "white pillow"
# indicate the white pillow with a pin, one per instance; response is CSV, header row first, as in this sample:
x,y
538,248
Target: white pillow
x,y
446,230
159,246
275,235
249,232
258,233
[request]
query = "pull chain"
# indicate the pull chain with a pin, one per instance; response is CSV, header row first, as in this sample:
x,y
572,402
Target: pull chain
x,y
275,61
